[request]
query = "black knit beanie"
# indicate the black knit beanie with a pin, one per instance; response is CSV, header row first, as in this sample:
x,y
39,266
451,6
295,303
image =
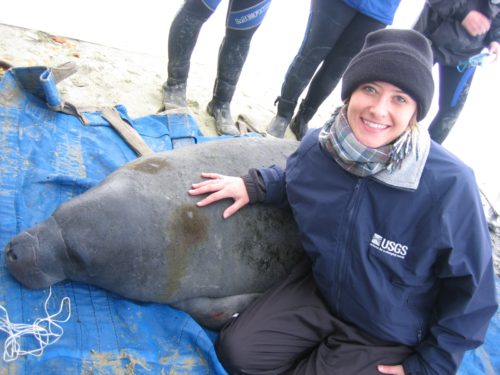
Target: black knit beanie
x,y
400,57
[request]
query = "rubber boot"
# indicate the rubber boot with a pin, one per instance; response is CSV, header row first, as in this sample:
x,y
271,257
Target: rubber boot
x,y
224,123
183,35
298,126
174,96
219,108
279,123
233,52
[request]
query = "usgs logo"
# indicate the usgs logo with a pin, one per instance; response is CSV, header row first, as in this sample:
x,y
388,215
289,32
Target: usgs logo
x,y
389,247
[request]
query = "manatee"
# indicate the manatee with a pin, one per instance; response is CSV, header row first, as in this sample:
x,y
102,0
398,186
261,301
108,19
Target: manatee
x,y
140,235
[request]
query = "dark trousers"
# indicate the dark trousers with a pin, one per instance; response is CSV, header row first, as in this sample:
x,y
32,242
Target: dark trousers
x,y
289,330
452,97
334,34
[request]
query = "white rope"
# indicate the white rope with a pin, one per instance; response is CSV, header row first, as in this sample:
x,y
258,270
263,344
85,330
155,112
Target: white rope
x,y
46,331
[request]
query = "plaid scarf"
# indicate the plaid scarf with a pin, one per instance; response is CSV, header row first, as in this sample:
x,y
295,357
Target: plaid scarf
x,y
339,141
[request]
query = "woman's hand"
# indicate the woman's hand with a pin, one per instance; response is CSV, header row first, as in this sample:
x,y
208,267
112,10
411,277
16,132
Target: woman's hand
x,y
221,187
391,370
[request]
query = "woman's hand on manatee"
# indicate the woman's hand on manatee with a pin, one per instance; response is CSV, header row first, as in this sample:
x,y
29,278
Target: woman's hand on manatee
x,y
221,187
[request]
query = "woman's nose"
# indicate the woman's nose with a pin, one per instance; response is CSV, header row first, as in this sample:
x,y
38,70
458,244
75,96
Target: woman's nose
x,y
380,107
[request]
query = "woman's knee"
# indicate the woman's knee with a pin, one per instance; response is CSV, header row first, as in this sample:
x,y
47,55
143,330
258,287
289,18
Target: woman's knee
x,y
231,350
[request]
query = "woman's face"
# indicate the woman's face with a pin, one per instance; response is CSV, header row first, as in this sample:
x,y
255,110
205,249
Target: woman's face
x,y
379,112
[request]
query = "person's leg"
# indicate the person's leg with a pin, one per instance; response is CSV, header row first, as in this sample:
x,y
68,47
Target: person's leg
x,y
274,332
327,77
327,21
182,38
453,90
351,351
243,19
289,330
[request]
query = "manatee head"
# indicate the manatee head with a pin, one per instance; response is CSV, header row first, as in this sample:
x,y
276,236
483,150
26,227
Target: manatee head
x,y
32,257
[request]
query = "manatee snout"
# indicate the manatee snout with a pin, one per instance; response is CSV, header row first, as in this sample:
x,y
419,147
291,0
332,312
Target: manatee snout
x,y
20,257
29,262
10,254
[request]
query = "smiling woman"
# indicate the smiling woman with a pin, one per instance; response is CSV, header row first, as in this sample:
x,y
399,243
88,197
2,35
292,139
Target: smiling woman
x,y
370,176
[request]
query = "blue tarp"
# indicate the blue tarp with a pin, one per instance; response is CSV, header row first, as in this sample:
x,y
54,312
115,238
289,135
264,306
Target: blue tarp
x,y
48,157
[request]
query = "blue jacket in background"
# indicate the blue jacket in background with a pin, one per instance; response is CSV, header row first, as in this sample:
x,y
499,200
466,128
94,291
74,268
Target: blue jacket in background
x,y
408,266
381,10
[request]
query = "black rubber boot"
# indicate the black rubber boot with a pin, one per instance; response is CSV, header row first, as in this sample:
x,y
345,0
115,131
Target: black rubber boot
x,y
279,123
298,126
221,112
174,96
233,52
183,35
220,108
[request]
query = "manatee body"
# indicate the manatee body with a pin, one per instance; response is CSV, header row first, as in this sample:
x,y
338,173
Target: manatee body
x,y
139,234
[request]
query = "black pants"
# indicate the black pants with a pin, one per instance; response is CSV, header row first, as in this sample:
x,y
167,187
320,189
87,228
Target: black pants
x,y
452,97
334,34
289,330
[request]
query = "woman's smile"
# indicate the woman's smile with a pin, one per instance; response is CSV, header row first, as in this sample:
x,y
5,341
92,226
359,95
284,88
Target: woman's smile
x,y
374,125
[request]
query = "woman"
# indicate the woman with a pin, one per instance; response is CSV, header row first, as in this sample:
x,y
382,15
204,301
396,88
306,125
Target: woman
x,y
399,276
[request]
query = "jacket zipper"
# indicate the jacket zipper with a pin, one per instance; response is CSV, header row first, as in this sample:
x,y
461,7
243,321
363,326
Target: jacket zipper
x,y
341,268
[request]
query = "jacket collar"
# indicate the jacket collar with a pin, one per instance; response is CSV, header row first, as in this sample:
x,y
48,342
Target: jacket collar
x,y
409,174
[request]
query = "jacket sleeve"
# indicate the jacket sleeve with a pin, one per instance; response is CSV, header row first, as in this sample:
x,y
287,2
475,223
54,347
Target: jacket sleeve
x,y
266,185
494,34
466,300
454,9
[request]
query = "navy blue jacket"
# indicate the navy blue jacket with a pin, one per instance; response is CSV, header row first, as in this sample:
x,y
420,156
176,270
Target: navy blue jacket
x,y
408,266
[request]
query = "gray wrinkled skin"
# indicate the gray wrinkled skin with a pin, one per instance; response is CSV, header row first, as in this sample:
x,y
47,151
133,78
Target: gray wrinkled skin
x,y
139,234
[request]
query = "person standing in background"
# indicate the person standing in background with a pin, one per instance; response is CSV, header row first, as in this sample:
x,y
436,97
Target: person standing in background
x,y
335,32
459,30
243,19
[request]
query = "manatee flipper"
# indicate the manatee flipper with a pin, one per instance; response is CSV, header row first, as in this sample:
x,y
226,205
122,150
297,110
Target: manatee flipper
x,y
213,313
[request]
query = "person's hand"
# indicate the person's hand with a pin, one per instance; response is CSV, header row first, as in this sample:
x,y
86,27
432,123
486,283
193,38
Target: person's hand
x,y
392,370
494,48
221,187
476,23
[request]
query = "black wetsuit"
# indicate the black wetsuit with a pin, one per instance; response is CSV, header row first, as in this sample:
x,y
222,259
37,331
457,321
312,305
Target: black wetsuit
x,y
243,19
335,32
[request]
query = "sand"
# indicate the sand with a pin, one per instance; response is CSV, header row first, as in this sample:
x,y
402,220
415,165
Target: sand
x,y
108,76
